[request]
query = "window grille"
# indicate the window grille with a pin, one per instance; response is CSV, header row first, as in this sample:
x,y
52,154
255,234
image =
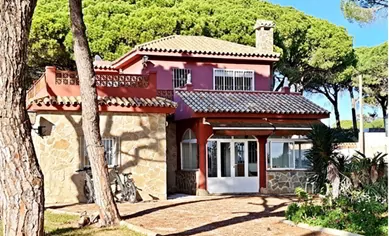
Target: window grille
x,y
180,76
227,79
110,151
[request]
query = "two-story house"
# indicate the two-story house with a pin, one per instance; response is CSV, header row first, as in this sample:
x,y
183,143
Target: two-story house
x,y
187,114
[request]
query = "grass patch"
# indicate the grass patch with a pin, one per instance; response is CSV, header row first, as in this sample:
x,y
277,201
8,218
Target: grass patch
x,y
66,225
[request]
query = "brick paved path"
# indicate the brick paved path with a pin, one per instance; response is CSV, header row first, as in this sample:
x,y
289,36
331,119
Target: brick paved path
x,y
214,215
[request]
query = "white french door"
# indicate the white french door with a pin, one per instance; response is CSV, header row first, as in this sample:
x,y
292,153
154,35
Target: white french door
x,y
232,166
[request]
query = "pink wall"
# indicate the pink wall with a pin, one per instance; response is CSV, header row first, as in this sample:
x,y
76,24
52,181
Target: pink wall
x,y
202,71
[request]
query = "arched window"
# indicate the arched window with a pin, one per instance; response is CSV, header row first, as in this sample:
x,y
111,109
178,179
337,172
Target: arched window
x,y
189,151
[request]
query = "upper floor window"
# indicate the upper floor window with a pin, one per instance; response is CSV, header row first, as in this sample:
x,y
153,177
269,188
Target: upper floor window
x,y
228,79
180,77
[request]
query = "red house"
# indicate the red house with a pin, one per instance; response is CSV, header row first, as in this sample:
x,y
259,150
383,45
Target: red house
x,y
229,133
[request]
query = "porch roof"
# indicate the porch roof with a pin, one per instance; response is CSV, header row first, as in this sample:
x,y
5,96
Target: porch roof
x,y
106,104
265,125
108,101
208,101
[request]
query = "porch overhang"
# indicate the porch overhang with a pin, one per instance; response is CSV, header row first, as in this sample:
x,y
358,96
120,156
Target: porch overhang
x,y
263,127
256,105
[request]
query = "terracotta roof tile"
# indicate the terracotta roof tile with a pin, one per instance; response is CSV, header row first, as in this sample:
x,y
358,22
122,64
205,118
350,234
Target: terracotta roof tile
x,y
103,65
202,45
110,101
208,101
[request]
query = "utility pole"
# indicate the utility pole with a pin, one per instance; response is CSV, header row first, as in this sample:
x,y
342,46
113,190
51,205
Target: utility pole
x,y
361,136
387,124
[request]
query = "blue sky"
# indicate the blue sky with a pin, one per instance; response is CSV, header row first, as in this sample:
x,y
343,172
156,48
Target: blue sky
x,y
368,35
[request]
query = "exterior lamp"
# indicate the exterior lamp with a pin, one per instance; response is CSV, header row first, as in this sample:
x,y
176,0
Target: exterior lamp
x,y
38,129
145,59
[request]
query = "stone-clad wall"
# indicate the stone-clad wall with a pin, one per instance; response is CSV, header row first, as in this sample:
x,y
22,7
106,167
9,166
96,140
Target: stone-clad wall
x,y
186,181
285,181
142,142
171,157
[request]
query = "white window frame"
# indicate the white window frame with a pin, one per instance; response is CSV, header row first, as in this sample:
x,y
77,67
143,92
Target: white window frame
x,y
115,151
233,83
231,140
186,70
291,141
190,141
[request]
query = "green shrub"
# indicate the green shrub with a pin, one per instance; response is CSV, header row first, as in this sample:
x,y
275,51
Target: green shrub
x,y
302,213
366,216
291,211
335,219
301,194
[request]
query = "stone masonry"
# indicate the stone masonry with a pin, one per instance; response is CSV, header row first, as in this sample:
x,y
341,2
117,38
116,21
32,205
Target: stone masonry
x,y
186,181
142,151
285,181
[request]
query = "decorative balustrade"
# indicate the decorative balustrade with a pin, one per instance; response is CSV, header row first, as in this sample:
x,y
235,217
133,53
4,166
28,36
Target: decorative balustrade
x,y
169,94
66,78
105,80
37,86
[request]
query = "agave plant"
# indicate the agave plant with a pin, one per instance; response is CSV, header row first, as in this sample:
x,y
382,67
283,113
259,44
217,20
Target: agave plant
x,y
365,170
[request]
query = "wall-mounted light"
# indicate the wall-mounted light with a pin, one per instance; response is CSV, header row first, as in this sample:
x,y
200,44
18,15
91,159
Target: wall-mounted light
x,y
145,59
38,130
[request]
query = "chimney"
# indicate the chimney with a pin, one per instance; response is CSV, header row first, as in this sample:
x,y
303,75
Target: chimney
x,y
264,35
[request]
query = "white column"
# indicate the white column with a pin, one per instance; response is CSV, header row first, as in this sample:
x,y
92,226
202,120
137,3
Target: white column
x,y
361,135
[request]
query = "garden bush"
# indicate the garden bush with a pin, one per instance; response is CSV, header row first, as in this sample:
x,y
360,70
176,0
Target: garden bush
x,y
367,217
355,188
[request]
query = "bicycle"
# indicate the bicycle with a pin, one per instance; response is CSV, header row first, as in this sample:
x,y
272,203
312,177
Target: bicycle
x,y
127,186
89,192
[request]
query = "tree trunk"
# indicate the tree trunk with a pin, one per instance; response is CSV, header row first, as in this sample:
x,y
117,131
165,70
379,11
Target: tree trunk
x,y
353,110
21,179
384,106
336,109
280,85
109,214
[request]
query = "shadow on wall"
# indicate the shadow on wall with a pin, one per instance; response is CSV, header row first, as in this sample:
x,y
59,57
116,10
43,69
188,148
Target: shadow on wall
x,y
146,141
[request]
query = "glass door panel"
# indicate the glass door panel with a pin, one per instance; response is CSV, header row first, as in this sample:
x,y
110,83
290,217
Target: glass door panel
x,y
225,159
253,158
212,158
239,160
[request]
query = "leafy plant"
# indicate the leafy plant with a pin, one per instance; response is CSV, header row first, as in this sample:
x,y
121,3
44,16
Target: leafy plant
x,y
368,170
323,153
364,216
291,210
301,194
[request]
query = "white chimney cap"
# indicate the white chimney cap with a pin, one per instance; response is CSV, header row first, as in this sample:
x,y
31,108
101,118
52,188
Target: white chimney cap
x,y
264,23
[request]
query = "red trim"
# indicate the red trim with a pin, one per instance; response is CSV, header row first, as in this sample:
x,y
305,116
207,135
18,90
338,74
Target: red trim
x,y
237,91
203,133
167,110
260,115
243,132
262,161
260,121
135,54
